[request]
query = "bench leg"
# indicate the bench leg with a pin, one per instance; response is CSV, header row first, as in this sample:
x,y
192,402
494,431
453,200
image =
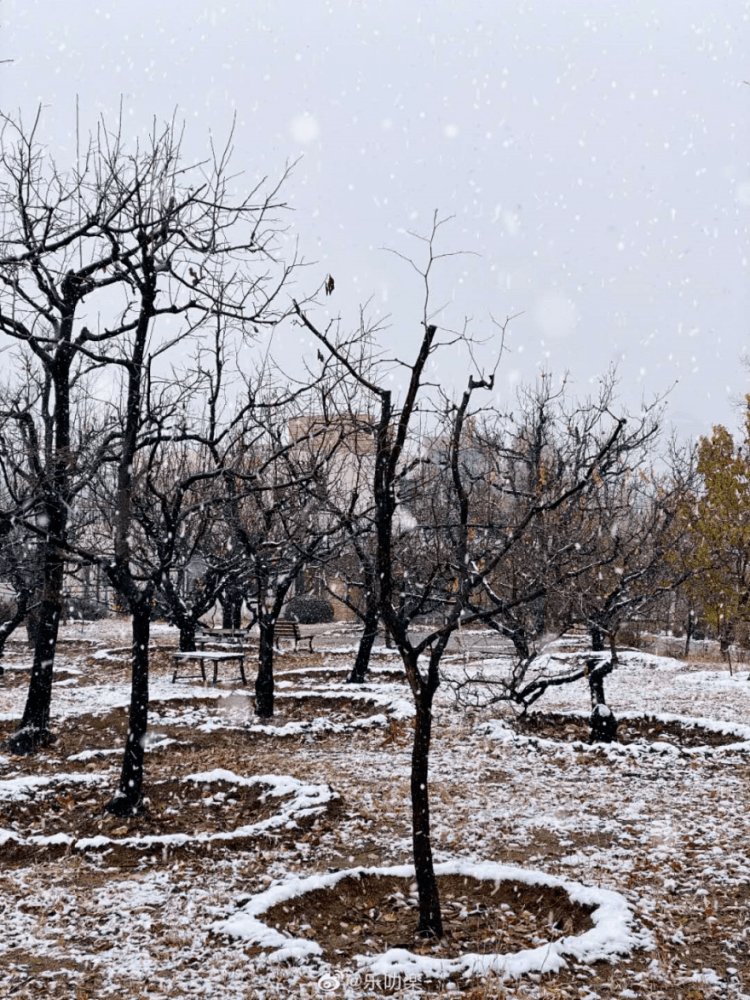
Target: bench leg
x,y
242,670
216,671
203,669
176,668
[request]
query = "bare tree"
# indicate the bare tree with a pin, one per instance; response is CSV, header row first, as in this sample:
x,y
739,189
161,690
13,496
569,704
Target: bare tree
x,y
457,559
278,510
103,268
596,557
392,432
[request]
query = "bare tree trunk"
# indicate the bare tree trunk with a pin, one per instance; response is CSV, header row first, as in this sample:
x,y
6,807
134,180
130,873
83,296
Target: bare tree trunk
x,y
129,797
231,607
603,722
726,638
597,638
596,684
33,623
430,919
187,628
690,628
520,642
34,728
367,641
264,684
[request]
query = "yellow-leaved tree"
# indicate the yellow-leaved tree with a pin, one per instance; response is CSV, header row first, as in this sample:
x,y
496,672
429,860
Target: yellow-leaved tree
x,y
719,525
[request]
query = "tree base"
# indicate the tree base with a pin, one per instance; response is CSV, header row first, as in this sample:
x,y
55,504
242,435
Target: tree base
x,y
123,807
356,679
603,725
26,740
429,934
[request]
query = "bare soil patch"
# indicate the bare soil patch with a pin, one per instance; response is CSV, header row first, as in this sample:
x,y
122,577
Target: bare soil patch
x,y
226,720
239,709
371,913
73,736
171,807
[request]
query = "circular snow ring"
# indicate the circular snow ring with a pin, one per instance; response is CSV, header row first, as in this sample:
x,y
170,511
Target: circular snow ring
x,y
612,933
394,709
332,674
306,800
500,730
391,708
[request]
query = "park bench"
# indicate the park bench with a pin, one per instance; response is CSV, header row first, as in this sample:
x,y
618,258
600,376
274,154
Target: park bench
x,y
290,630
206,633
216,658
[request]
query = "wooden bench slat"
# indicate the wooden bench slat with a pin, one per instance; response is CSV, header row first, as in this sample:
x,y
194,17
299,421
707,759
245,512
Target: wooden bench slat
x,y
206,632
290,630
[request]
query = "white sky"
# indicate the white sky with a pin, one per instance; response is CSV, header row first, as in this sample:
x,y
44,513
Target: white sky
x,y
595,156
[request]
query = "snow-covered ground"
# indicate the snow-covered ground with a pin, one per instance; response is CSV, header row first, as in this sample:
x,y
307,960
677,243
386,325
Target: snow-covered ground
x,y
90,908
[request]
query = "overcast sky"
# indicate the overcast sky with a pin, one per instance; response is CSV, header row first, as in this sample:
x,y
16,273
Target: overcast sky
x,y
594,155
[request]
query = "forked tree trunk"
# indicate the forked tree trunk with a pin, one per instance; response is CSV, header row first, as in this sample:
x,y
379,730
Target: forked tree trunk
x,y
129,797
264,681
430,919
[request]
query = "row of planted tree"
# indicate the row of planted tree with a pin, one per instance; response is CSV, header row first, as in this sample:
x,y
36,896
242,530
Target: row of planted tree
x,y
144,434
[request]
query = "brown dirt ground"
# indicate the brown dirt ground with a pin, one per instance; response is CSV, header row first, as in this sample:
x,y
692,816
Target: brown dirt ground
x,y
706,924
108,730
370,914
171,807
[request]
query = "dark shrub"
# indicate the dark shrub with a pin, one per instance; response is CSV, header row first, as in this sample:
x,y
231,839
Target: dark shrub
x,y
161,611
84,608
7,610
309,610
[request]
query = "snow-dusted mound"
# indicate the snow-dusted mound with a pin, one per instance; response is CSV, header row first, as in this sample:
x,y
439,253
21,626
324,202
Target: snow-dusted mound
x,y
612,932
